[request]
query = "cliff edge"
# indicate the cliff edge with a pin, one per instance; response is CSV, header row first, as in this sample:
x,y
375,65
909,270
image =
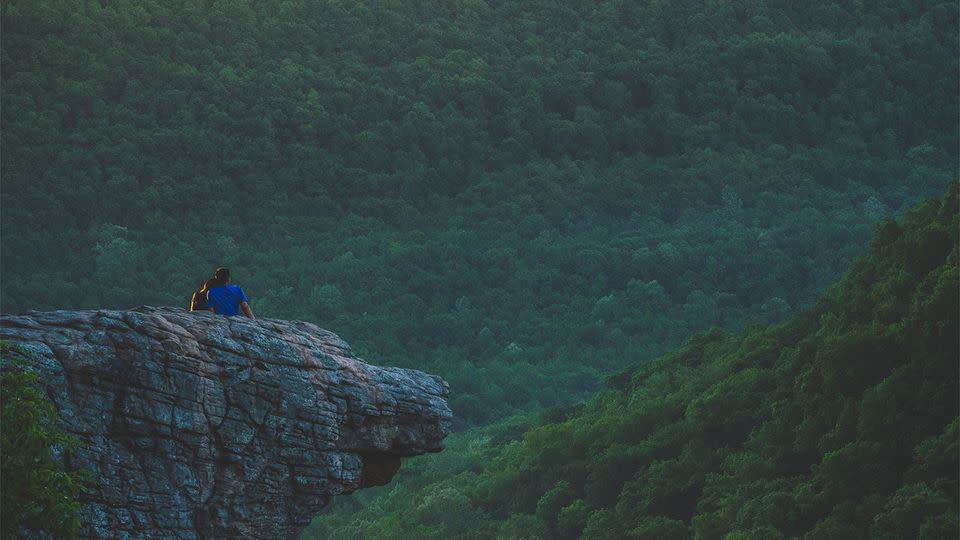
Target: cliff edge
x,y
201,426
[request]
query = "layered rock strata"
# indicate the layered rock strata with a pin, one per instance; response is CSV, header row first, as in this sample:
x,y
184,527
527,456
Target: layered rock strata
x,y
201,426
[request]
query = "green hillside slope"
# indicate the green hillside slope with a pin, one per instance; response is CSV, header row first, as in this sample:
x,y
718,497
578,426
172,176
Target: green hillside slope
x,y
519,196
841,423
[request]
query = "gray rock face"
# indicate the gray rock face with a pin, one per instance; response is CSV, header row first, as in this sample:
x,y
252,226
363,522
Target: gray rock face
x,y
202,426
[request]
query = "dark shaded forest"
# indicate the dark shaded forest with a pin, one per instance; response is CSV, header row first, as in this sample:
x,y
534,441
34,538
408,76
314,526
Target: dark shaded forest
x,y
841,423
541,202
522,197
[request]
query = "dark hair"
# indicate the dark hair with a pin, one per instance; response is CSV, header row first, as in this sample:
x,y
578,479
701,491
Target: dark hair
x,y
220,277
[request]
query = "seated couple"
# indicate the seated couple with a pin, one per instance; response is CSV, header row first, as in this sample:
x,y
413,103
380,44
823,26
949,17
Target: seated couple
x,y
219,296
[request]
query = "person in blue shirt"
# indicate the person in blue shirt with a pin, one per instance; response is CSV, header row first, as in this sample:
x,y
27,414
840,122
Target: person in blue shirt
x,y
224,298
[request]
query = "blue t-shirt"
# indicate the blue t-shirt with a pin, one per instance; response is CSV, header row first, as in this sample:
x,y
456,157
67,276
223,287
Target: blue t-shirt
x,y
226,299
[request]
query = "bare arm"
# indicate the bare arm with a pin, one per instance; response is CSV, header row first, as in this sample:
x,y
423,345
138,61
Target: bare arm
x,y
245,307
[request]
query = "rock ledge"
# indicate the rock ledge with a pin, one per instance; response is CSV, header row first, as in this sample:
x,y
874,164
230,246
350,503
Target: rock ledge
x,y
202,426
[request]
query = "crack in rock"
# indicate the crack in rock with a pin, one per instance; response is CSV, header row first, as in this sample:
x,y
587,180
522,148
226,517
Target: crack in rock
x,y
199,426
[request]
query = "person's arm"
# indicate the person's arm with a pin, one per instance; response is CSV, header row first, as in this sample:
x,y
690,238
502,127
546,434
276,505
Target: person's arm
x,y
245,307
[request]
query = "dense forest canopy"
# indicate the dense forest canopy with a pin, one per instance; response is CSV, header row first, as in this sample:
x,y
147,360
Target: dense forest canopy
x,y
518,196
841,423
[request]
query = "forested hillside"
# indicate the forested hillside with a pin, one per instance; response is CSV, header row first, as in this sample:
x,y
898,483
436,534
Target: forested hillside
x,y
521,196
841,423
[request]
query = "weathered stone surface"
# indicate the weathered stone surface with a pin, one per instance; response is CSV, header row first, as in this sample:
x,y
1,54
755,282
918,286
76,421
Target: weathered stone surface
x,y
202,426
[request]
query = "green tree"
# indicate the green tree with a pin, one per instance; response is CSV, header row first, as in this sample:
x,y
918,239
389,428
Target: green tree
x,y
38,491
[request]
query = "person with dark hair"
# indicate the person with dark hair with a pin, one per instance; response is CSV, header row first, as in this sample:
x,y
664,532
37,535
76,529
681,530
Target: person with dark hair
x,y
223,298
198,302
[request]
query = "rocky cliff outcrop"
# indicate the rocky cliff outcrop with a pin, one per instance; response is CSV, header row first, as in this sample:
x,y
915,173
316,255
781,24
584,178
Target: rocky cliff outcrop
x,y
201,426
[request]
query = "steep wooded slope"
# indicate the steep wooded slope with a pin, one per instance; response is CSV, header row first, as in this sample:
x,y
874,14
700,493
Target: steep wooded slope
x,y
841,423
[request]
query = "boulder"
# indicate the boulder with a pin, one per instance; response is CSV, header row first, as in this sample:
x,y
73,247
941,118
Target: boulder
x,y
196,425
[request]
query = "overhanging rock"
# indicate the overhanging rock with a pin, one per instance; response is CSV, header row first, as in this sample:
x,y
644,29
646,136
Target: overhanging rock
x,y
201,426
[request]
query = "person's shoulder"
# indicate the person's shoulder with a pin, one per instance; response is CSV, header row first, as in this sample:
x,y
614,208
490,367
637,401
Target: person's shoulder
x,y
235,288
